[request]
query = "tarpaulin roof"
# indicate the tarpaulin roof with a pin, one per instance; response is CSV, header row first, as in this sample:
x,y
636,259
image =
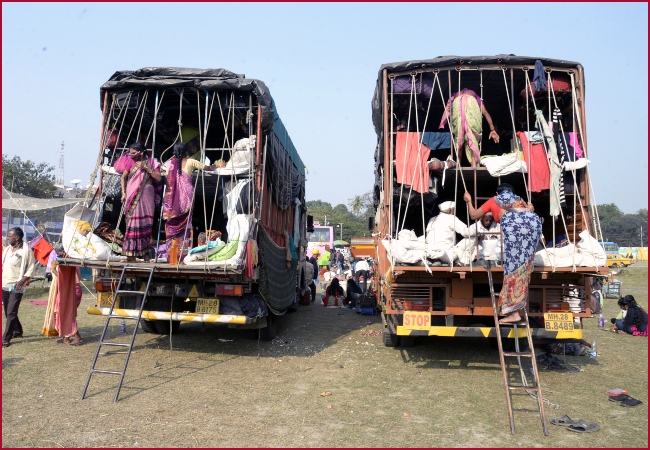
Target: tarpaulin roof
x,y
447,61
205,79
13,201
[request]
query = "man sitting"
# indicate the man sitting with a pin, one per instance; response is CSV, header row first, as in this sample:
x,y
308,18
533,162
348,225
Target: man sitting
x,y
441,234
485,236
489,239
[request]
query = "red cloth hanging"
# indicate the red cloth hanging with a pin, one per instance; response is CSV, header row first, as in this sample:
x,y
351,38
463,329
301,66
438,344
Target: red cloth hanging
x,y
540,173
42,249
409,169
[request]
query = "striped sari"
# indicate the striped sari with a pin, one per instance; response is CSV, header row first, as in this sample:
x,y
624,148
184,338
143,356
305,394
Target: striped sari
x,y
177,206
139,210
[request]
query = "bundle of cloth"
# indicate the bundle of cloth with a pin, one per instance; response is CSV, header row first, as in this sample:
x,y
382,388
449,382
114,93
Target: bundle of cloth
x,y
586,253
78,239
230,253
407,248
241,158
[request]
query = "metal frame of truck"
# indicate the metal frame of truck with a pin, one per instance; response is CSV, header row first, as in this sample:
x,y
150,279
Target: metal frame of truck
x,y
455,301
152,105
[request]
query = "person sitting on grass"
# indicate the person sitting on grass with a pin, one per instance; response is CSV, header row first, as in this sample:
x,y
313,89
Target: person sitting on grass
x,y
636,319
335,291
352,288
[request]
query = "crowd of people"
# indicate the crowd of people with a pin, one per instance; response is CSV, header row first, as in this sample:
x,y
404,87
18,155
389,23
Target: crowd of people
x,y
329,268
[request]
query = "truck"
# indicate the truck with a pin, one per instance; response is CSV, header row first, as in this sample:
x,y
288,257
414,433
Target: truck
x,y
258,186
418,298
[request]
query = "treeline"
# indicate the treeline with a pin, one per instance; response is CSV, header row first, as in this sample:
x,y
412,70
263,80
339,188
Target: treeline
x,y
627,230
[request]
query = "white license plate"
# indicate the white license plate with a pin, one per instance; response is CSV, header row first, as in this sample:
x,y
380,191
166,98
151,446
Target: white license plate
x,y
558,321
207,306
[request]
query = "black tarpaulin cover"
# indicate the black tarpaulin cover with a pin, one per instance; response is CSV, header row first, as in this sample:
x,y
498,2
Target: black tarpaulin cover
x,y
446,61
203,79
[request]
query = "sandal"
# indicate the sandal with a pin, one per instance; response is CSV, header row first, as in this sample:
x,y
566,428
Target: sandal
x,y
619,398
584,427
76,341
65,340
5,344
630,402
564,421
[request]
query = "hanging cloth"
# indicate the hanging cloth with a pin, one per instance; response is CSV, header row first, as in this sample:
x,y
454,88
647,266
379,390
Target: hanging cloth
x,y
537,164
556,169
411,161
539,78
41,249
561,149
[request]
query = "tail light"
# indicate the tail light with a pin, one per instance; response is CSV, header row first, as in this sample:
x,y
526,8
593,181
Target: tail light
x,y
230,289
106,285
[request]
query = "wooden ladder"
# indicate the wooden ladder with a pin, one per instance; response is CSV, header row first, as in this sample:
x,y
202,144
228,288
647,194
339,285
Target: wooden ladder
x,y
518,354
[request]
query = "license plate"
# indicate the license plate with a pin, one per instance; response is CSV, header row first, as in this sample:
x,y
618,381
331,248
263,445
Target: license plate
x,y
558,321
207,306
417,320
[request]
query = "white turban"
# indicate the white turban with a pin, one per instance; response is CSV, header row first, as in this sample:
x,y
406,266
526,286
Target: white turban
x,y
445,206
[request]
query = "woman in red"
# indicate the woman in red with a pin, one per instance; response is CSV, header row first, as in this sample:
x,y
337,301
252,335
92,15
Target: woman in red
x,y
522,229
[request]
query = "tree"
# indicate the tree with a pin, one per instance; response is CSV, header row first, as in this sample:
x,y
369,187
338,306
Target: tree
x,y
624,229
356,204
27,177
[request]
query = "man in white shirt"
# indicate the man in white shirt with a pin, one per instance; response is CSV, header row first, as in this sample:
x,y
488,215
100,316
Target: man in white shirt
x,y
485,236
362,269
18,265
441,234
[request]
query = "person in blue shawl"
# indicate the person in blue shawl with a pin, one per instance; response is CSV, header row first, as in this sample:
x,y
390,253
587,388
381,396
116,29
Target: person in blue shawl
x,y
522,229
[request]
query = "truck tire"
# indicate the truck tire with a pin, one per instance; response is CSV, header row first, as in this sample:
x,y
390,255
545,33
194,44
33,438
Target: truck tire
x,y
148,326
390,340
268,333
163,326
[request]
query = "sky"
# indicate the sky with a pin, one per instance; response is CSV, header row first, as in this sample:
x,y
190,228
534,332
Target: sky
x,y
320,62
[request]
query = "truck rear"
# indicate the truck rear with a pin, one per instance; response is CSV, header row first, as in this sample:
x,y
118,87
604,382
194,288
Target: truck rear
x,y
254,200
421,298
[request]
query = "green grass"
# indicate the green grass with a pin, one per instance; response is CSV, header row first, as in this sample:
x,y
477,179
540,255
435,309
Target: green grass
x,y
232,392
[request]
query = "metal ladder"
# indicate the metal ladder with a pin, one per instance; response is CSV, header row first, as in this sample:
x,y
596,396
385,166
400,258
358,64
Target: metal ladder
x,y
110,316
519,354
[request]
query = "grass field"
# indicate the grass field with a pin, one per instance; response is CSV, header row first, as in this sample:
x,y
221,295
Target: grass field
x,y
326,381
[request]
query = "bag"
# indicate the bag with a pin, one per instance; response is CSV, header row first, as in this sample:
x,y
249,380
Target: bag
x,y
111,185
369,301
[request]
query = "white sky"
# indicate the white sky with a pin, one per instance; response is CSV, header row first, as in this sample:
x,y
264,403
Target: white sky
x,y
320,62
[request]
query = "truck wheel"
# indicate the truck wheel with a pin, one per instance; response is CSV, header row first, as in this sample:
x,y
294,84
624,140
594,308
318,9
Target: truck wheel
x,y
390,340
148,326
268,333
163,326
406,341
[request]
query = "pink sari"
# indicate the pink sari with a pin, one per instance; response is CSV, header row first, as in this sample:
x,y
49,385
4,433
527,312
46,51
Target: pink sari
x,y
139,210
177,205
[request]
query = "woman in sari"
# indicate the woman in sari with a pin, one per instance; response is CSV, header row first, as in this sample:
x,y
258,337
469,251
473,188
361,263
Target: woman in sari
x,y
179,197
467,110
522,229
138,197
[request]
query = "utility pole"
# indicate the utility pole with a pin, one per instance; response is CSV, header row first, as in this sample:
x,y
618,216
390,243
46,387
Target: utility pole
x,y
341,225
60,179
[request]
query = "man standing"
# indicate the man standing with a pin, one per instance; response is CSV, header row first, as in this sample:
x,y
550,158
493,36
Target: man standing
x,y
17,267
314,262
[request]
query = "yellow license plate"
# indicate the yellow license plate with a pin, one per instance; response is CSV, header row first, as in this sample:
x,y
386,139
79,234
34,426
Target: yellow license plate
x,y
207,306
558,321
417,320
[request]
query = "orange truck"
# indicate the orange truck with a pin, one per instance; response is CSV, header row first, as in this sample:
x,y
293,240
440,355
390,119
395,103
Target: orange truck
x,y
419,299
